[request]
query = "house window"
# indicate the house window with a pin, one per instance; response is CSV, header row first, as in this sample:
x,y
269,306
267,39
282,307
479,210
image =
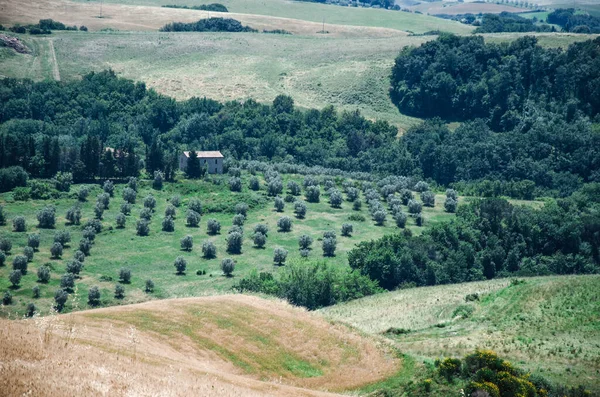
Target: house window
x,y
216,161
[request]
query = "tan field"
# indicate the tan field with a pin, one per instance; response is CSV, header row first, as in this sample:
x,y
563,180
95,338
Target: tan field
x,y
227,346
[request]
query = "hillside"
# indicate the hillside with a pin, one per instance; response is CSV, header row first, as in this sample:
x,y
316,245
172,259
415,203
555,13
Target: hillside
x,y
548,325
228,345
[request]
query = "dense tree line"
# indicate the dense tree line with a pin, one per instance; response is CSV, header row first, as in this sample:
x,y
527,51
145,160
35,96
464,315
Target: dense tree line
x,y
509,22
208,25
569,20
490,238
217,7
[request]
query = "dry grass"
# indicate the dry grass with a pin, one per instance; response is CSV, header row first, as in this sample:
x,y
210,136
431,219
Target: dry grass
x,y
455,8
226,346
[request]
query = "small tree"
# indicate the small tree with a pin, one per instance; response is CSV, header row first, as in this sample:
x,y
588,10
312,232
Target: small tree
x,y
46,218
209,250
421,186
239,220
329,246
74,267
406,195
275,187
241,208
142,227
74,215
170,211
379,217
157,183
401,219
213,226
304,242
335,198
56,250
94,224
60,298
67,282
304,253
109,188
428,198
126,208
259,240
30,311
83,193
261,228
132,183
94,296
80,256
43,274
357,205
15,278
20,263
19,224
146,213
195,205
450,205
294,188
125,275
187,243
36,292
312,194
168,224
5,245
347,229
180,265
352,194
63,237
452,194
149,286
28,253
63,181
150,202
414,207
234,243
254,184
284,224
235,184
279,204
99,211
175,201
279,256
228,266
121,220
129,195
192,218
33,241
104,199
7,298
119,292
89,233
85,246
419,219
300,209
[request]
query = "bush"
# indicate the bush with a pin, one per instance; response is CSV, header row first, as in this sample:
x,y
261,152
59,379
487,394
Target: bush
x,y
449,368
33,241
312,194
104,199
12,177
213,227
304,253
43,274
428,198
126,208
94,224
401,219
451,193
83,193
157,183
275,187
132,183
46,218
352,194
279,256
357,205
209,250
379,217
119,291
5,245
187,243
421,187
150,202
175,202
463,311
259,240
195,205
305,241
19,224
74,215
89,233
94,296
254,184
347,229
192,218
74,267
294,188
335,198
149,288
21,193
414,207
121,220
227,266
450,205
60,298
239,219
300,209
406,195
125,275
85,246
261,228
129,195
142,227
56,250
284,224
15,278
63,237
146,213
7,298
180,265
170,211
279,204
329,246
168,224
109,188
36,291
99,211
235,184
79,255
241,208
20,263
234,242
67,282
28,253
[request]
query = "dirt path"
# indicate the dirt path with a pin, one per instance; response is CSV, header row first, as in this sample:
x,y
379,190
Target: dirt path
x,y
55,71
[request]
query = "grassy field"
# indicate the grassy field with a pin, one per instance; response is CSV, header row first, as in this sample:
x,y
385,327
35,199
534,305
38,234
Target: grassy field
x,y
152,257
548,325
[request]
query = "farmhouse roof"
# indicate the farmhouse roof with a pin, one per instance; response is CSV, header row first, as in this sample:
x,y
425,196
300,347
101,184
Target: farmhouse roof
x,y
205,155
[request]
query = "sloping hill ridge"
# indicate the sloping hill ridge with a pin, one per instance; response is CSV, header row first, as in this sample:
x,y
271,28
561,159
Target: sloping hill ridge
x,y
228,345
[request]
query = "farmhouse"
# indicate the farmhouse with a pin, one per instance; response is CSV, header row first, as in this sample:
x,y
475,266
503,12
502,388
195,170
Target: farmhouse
x,y
213,160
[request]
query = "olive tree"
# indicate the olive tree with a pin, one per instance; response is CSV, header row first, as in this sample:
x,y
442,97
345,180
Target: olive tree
x,y
329,246
56,250
63,181
335,198
28,253
259,240
414,207
261,228
428,198
85,246
234,242
180,265
195,205
170,211
33,241
89,233
5,245
379,217
126,208
175,202
450,205
300,209
213,227
125,275
83,193
67,282
168,224
279,256
63,237
187,243
132,183
284,224
142,227
452,194
74,215
129,195
254,184
79,255
406,195
421,187
235,184
352,194
104,199
20,263
149,287
209,250
305,241
239,220
15,278
43,274
294,188
60,298
157,183
119,292
192,218
74,267
36,291
275,187
94,296
312,194
120,220
109,188
150,202
94,224
279,204
99,210
227,266
347,229
401,219
241,208
19,224
46,217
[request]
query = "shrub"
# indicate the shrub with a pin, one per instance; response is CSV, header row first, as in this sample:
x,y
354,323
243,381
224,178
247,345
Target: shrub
x,y
89,233
463,311
449,368
63,181
419,219
428,198
451,193
347,229
300,209
168,224
414,207
46,218
239,220
83,193
187,243
119,291
357,205
170,211
235,184
121,220
67,282
28,253
450,205
19,224
43,274
142,227
329,246
85,245
284,224
254,184
33,241
36,291
7,298
352,194
149,288
109,188
279,256
406,195
294,188
21,193
15,278
335,198
209,250
279,204
126,208
241,208
379,217
175,202
94,224
234,242
74,267
157,183
20,263
56,250
74,215
63,237
261,228
80,256
180,265
421,187
94,296
150,202
305,241
129,195
304,253
401,219
192,218
99,210
227,266
60,298
5,245
104,199
329,234
125,275
259,240
195,205
12,177
312,194
275,187
132,183
213,227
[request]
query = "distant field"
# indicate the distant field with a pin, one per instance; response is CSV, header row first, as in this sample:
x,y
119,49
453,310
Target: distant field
x,y
454,8
549,325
